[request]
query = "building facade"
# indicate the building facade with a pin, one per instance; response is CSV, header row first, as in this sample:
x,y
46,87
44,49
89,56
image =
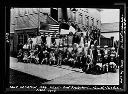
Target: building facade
x,y
110,31
26,22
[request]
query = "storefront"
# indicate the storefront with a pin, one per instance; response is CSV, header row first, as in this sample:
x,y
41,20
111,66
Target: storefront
x,y
21,36
106,41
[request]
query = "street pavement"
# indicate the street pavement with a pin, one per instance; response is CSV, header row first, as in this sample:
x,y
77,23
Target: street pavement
x,y
64,74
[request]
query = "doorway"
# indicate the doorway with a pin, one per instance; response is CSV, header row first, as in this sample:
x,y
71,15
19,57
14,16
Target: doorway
x,y
54,13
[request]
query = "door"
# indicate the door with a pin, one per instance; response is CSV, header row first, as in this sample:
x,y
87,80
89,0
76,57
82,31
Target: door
x,y
54,13
64,13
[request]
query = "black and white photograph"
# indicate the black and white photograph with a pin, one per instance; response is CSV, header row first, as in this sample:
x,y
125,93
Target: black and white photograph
x,y
65,46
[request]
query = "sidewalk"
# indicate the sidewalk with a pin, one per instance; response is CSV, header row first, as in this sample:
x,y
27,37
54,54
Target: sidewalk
x,y
42,71
75,78
65,74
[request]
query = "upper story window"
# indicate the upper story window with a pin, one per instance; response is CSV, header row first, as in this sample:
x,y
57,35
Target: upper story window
x,y
87,20
92,20
81,18
97,22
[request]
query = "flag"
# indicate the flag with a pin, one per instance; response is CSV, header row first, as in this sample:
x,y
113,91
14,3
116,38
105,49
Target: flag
x,y
71,29
64,31
49,28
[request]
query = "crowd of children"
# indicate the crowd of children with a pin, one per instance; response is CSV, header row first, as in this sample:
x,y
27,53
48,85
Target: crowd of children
x,y
80,54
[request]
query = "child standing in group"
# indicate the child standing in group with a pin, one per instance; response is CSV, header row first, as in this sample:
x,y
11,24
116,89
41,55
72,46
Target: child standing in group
x,y
59,59
25,58
52,58
20,55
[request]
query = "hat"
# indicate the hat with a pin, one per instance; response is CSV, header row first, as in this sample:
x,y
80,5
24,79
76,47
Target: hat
x,y
86,43
70,45
98,46
112,48
106,56
99,54
92,45
112,55
105,46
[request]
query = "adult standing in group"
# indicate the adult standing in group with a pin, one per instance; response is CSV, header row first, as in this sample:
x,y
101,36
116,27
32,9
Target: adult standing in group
x,y
53,39
121,55
48,40
30,42
76,39
60,41
91,53
40,54
105,50
43,37
34,42
38,39
26,47
95,55
86,49
70,38
82,40
20,46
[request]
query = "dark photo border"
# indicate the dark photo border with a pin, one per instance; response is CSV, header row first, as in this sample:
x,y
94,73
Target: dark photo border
x,y
53,88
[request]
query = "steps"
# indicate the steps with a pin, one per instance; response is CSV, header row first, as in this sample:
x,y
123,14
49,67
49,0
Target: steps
x,y
53,26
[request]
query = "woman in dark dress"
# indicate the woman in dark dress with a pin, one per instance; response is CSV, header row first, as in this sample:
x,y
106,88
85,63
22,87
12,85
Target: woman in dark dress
x,y
53,39
43,39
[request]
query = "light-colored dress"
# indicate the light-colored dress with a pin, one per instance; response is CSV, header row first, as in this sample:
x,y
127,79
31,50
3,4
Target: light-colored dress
x,y
48,39
86,51
38,40
26,46
70,49
82,42
70,38
34,42
57,42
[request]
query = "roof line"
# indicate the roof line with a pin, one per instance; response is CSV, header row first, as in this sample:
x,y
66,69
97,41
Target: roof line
x,y
26,28
110,23
109,31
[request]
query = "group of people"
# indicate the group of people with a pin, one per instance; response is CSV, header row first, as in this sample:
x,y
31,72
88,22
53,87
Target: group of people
x,y
78,52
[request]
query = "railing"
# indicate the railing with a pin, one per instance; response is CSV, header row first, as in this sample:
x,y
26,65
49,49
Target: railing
x,y
51,20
